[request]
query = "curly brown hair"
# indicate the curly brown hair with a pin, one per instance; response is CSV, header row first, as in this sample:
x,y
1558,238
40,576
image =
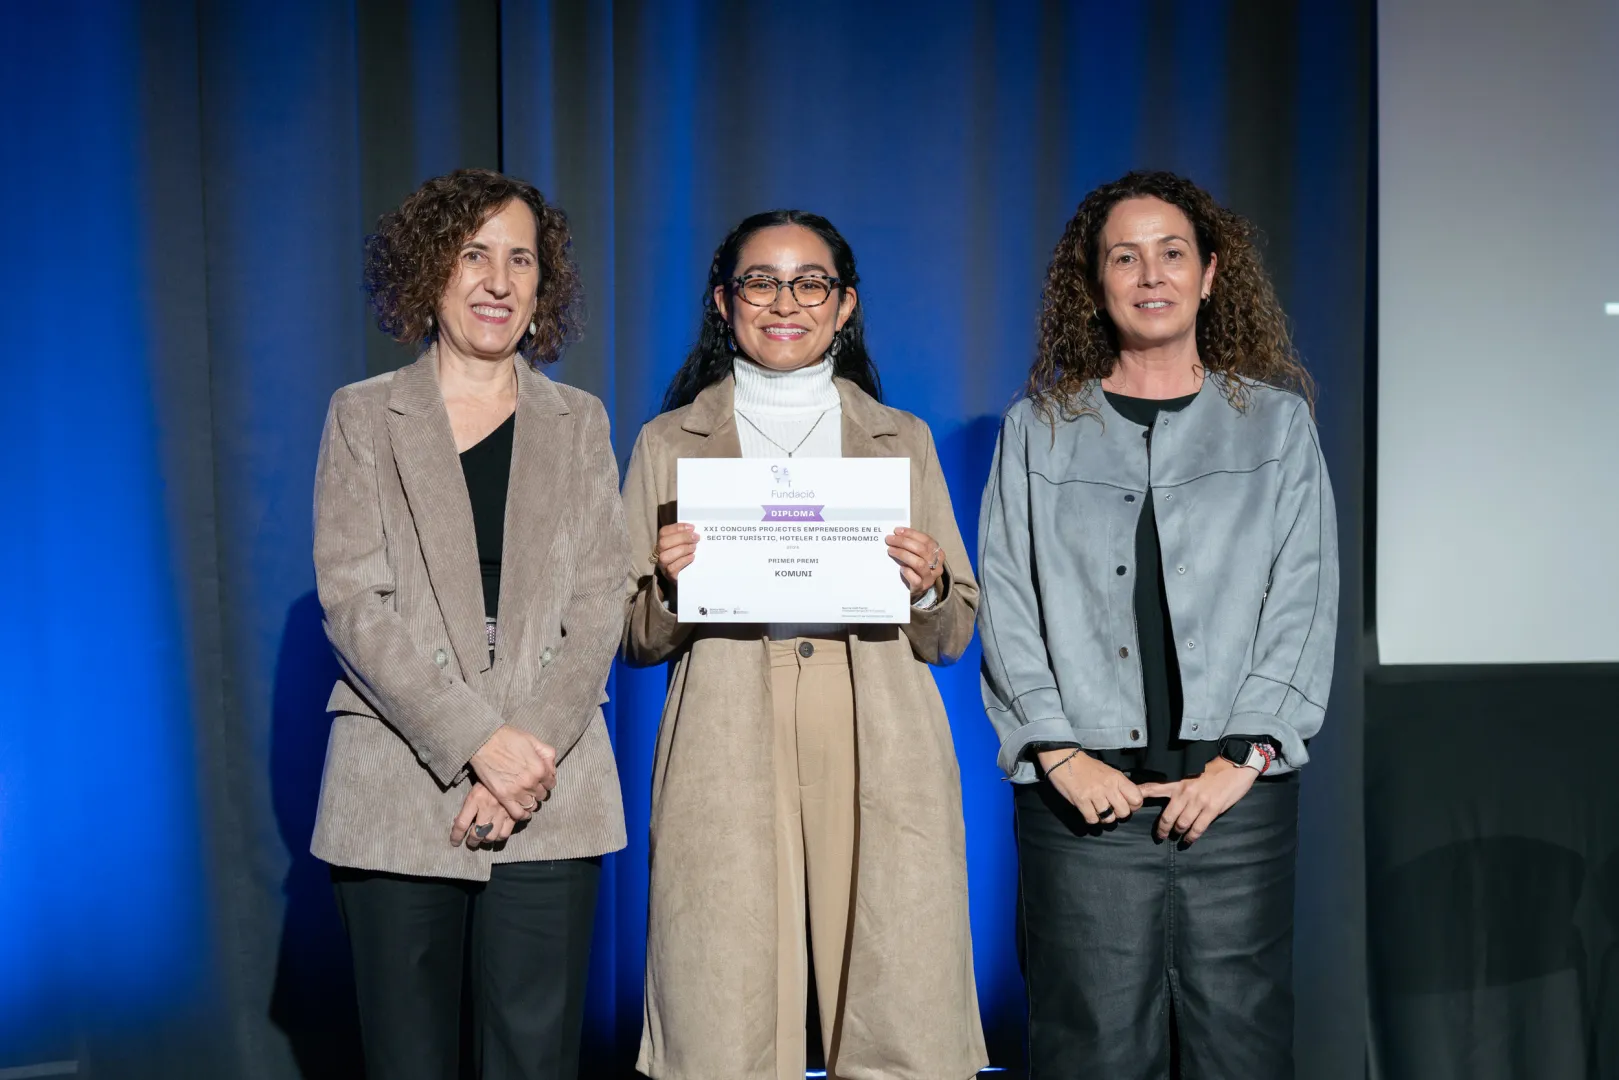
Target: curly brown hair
x,y
1241,330
411,256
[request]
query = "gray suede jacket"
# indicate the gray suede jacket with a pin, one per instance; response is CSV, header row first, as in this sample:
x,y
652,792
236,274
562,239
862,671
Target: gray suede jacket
x,y
1250,561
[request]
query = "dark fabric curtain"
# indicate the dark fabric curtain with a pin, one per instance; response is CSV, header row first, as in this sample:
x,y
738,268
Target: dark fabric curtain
x,y
194,180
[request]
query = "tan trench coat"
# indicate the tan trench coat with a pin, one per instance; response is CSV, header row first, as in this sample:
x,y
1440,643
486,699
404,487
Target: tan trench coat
x,y
911,1007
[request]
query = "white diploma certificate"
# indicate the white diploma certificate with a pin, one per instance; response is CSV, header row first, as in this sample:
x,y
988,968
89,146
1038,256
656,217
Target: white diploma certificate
x,y
794,540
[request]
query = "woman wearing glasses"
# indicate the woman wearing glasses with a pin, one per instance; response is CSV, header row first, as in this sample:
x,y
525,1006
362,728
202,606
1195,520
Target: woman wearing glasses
x,y
806,801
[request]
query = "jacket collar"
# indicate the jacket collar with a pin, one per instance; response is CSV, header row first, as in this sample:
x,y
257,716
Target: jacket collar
x,y
430,470
714,410
864,413
415,390
541,492
1203,409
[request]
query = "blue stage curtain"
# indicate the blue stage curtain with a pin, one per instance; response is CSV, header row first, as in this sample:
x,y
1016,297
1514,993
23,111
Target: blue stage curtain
x,y
190,185
950,143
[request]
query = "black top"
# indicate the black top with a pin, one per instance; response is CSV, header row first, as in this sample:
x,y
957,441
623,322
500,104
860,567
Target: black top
x,y
1166,756
487,467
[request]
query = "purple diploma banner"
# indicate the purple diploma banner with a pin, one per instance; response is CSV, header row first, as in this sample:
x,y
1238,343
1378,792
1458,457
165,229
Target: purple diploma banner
x,y
793,513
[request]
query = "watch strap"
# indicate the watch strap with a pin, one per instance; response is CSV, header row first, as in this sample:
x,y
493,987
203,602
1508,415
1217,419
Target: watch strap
x,y
1260,757
1260,753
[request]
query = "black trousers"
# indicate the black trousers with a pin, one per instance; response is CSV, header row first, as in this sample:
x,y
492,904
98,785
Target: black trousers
x,y
1136,950
528,929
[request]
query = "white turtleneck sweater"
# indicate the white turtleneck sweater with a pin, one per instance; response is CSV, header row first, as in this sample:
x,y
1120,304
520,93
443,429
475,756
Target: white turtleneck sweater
x,y
797,411
788,413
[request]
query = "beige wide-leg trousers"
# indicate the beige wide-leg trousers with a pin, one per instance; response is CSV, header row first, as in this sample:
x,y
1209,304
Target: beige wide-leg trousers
x,y
817,838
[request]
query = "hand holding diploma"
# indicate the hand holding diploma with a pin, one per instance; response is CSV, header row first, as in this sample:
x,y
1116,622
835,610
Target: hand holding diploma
x,y
796,541
920,558
677,547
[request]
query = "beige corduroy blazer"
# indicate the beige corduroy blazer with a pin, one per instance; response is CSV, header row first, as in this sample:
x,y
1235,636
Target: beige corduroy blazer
x,y
397,569
911,1005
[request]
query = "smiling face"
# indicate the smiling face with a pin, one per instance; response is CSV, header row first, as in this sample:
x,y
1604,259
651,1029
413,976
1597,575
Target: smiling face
x,y
782,334
1152,279
489,301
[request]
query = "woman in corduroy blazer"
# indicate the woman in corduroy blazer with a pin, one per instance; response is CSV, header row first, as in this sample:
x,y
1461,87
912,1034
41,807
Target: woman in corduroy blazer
x,y
472,562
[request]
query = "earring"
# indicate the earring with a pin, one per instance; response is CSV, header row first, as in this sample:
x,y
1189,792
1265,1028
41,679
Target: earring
x,y
430,322
730,341
534,327
837,344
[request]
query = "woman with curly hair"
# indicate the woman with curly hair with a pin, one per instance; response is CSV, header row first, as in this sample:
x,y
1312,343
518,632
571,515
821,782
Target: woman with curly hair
x,y
806,805
1158,552
472,561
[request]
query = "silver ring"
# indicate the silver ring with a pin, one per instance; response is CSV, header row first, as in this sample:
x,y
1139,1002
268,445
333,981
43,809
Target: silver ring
x,y
533,808
484,830
934,565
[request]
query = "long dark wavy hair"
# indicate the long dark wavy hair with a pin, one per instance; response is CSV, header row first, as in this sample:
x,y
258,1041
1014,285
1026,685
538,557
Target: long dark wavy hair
x,y
710,358
1241,330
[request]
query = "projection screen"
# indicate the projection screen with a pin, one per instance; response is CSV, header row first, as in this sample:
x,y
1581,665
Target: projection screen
x,y
1497,509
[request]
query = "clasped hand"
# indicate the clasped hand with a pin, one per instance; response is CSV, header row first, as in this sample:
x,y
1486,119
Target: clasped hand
x,y
481,811
515,773
1196,801
920,558
518,769
1102,793
1097,790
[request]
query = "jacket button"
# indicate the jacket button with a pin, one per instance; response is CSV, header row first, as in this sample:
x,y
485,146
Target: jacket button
x,y
1129,498
1135,735
805,649
545,657
425,754
1168,497
1119,571
1124,650
1191,644
440,657
1180,569
1194,727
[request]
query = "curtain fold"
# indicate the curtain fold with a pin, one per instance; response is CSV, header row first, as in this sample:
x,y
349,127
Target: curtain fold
x,y
195,180
951,150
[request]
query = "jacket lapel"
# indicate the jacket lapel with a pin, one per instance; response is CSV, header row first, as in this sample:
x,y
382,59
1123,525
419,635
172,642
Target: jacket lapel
x,y
536,498
713,415
868,428
869,431
430,470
